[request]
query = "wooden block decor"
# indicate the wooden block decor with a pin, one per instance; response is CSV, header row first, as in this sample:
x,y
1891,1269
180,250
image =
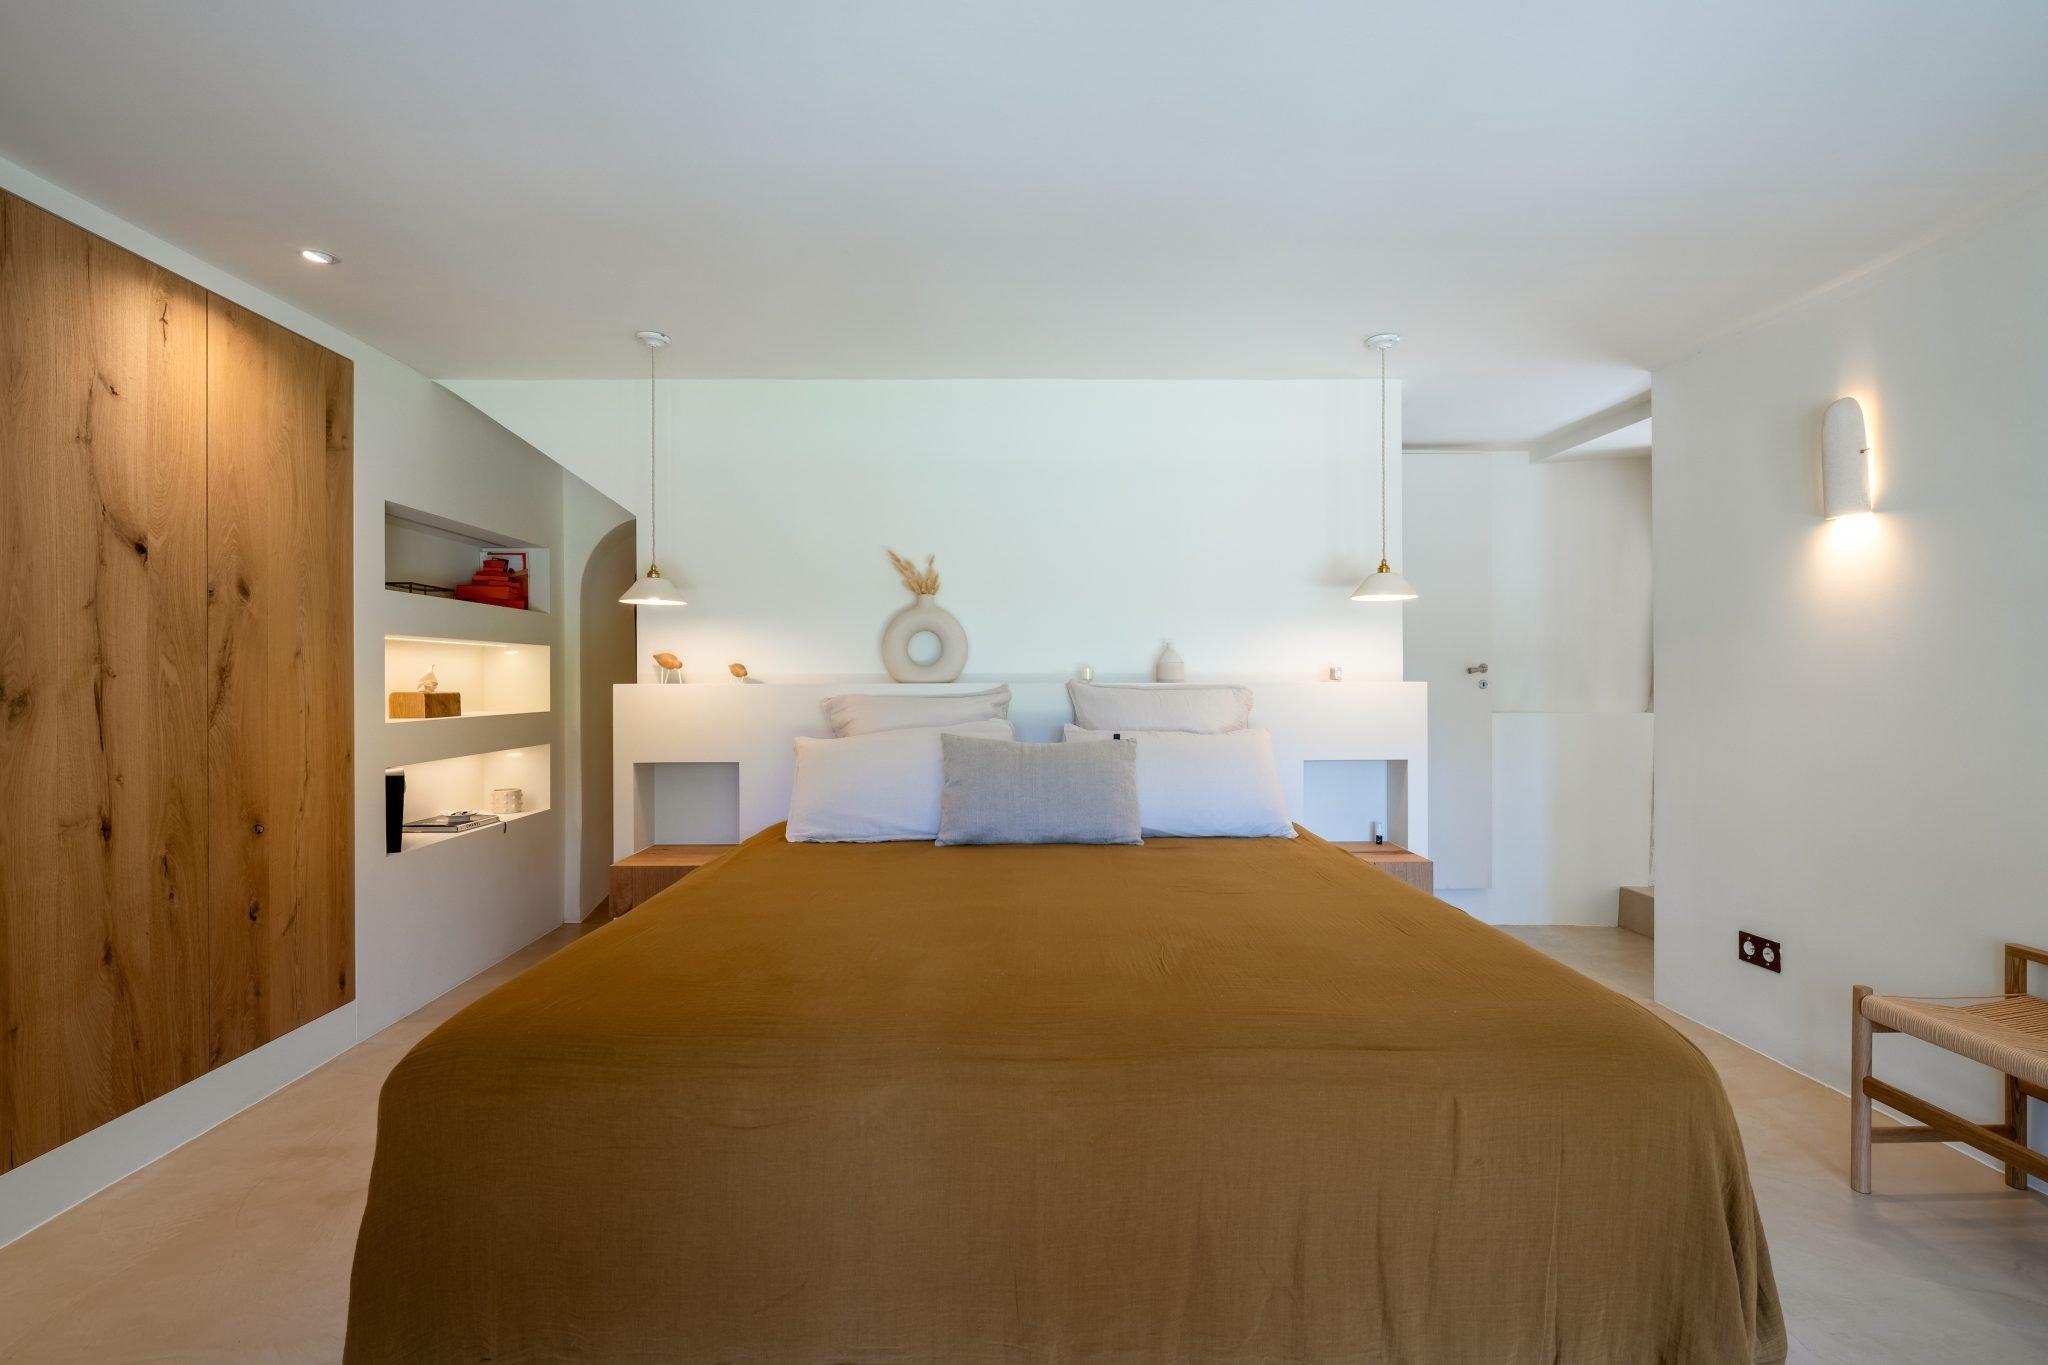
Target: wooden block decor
x,y
1397,862
656,868
425,705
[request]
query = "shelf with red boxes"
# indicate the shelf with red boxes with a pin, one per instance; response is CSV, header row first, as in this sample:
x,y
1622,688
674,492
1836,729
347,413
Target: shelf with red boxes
x,y
434,556
499,581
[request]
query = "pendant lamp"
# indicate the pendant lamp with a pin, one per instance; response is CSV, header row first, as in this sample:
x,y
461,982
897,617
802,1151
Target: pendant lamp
x,y
1385,585
652,590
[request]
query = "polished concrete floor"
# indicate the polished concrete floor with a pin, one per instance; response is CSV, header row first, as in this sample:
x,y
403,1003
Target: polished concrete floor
x,y
236,1247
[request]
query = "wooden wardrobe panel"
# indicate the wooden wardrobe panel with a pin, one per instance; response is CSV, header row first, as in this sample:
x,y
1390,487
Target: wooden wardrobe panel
x,y
103,897
280,721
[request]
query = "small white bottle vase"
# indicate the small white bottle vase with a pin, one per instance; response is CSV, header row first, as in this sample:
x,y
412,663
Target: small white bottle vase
x,y
1170,668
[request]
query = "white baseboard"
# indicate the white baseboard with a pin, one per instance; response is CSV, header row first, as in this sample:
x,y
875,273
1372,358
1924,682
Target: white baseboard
x,y
37,1191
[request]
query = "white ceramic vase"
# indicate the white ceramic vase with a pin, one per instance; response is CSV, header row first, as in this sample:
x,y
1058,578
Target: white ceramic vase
x,y
1170,668
920,616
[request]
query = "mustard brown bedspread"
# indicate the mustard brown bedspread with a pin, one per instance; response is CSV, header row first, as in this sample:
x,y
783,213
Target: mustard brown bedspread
x,y
1199,1100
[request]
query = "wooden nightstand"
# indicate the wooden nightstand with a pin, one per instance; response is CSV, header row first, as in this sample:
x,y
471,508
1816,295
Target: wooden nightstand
x,y
656,868
1396,861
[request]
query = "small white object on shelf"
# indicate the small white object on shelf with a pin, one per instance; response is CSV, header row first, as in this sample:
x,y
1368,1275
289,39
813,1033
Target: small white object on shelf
x,y
506,800
1170,668
429,681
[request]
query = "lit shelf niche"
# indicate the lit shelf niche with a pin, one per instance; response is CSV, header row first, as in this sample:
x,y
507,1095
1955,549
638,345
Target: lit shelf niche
x,y
466,783
495,677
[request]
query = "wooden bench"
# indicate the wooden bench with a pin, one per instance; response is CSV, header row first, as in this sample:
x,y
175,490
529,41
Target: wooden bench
x,y
2008,1033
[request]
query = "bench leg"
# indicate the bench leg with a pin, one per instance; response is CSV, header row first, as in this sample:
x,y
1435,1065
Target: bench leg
x,y
2016,1119
1859,1103
2015,1098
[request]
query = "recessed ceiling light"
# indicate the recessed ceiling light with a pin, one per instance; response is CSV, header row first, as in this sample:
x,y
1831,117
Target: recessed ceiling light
x,y
318,257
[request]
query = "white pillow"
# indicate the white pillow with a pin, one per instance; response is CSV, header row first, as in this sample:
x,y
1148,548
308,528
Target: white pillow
x,y
1200,708
1205,786
867,713
870,789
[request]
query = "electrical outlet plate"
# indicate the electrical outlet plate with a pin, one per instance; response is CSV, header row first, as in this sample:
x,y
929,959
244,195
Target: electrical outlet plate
x,y
1759,951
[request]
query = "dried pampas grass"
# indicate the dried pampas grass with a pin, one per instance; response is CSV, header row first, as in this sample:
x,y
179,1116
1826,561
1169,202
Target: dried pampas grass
x,y
921,582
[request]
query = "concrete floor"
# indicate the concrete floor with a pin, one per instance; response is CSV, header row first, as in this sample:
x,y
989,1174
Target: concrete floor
x,y
236,1247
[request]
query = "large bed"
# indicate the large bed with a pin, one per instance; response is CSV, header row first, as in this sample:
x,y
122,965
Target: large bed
x,y
1195,1100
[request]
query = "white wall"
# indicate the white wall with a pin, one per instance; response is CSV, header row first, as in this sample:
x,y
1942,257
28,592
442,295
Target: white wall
x,y
1571,585
598,635
1073,522
1540,783
426,920
1850,743
1448,508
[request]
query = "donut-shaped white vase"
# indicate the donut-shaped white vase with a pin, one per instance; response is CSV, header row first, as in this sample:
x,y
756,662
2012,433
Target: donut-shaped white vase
x,y
924,615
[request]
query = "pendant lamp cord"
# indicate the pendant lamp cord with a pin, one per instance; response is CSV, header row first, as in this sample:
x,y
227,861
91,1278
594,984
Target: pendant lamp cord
x,y
653,554
1383,457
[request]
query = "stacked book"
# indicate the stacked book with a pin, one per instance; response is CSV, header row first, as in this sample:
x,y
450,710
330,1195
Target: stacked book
x,y
454,822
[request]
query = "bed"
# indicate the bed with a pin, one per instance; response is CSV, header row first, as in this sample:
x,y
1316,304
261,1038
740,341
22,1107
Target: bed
x,y
1195,1100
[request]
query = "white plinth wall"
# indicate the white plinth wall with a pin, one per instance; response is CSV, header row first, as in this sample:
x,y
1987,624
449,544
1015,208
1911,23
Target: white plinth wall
x,y
711,762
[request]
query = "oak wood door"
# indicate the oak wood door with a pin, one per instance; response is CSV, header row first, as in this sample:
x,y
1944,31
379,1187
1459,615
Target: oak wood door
x,y
280,729
103,691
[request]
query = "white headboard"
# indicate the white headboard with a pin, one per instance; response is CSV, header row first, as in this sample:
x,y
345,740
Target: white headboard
x,y
740,733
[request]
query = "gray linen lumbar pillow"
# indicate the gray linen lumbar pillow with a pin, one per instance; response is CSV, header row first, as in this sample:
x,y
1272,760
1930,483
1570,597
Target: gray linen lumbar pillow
x,y
998,791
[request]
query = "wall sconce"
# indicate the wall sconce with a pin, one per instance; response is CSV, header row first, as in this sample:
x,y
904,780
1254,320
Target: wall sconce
x,y
1844,460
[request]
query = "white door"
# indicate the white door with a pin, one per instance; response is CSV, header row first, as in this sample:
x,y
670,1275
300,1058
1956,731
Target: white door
x,y
1447,535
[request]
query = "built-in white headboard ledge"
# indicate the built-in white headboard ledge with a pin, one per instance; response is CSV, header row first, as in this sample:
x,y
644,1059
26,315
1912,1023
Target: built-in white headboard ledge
x,y
721,753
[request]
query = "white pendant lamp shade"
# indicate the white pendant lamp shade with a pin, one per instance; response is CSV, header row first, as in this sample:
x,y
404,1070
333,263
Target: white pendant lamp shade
x,y
652,590
1384,585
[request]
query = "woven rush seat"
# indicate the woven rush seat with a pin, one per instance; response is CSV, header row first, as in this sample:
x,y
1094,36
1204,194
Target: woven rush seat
x,y
2006,1032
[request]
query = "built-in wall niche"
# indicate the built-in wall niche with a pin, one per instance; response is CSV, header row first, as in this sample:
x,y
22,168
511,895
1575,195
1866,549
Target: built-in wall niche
x,y
492,677
687,803
432,554
474,782
1350,798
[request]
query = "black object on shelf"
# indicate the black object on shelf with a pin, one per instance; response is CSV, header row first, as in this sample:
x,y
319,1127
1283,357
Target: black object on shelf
x,y
394,811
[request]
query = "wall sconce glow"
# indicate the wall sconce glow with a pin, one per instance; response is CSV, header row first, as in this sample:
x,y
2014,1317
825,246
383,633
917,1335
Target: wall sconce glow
x,y
318,257
1844,460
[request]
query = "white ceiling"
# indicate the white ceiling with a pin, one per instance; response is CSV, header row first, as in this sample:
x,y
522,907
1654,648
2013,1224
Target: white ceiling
x,y
1548,199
